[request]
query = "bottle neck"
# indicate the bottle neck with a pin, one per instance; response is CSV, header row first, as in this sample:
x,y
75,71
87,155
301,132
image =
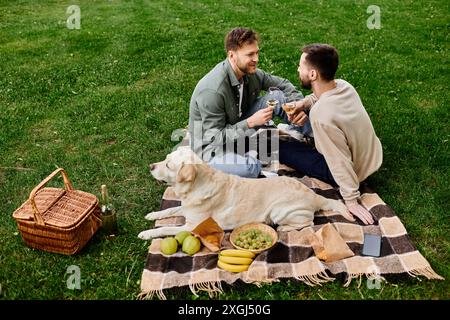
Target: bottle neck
x,y
105,199
106,205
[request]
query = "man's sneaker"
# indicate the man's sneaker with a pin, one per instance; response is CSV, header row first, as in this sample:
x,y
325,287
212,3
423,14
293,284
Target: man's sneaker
x,y
268,174
252,153
290,129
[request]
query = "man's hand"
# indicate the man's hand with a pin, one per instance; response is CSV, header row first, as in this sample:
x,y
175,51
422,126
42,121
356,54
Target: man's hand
x,y
359,211
298,116
260,117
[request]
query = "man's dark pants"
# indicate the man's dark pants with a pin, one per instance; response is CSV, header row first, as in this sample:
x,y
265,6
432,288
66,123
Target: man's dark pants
x,y
306,159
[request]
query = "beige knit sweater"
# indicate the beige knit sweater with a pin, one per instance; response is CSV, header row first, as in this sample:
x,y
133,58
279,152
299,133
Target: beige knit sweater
x,y
345,136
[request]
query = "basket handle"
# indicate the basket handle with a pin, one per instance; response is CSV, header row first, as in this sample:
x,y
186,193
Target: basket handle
x,y
67,184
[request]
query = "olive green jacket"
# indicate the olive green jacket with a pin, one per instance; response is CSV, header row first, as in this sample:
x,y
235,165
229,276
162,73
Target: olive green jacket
x,y
214,108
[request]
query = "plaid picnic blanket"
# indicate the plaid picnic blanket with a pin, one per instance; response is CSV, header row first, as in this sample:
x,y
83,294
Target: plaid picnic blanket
x,y
292,256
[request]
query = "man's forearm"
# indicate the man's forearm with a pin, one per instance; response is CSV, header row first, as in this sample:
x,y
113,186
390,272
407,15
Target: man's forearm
x,y
307,102
284,85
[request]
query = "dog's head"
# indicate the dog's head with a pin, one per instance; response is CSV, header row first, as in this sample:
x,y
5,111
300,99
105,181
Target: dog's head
x,y
196,180
167,170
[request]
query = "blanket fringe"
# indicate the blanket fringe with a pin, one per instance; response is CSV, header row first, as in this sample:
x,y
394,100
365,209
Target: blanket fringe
x,y
351,276
259,284
427,272
369,276
150,294
315,279
213,288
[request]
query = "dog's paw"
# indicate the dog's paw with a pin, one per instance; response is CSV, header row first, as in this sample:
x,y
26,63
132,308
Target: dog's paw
x,y
285,228
151,216
146,235
281,229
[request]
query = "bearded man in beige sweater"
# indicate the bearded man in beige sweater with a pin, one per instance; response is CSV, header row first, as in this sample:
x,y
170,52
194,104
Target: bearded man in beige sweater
x,y
346,146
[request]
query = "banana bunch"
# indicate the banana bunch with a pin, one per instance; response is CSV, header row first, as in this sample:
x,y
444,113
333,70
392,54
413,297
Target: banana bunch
x,y
234,260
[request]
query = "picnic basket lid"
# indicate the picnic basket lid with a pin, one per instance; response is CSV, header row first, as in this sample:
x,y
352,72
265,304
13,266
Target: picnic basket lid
x,y
57,207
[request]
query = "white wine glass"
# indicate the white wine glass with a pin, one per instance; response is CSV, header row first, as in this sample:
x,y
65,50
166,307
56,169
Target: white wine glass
x,y
272,101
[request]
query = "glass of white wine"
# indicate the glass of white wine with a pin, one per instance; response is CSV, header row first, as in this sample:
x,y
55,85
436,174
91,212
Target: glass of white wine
x,y
272,102
290,105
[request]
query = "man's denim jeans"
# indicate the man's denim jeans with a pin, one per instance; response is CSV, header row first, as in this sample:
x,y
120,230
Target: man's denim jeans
x,y
248,165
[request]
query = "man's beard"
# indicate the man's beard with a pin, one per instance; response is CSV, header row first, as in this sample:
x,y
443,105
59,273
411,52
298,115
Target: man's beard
x,y
245,69
306,84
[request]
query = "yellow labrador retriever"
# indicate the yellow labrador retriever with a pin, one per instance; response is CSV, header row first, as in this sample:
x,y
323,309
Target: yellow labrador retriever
x,y
231,200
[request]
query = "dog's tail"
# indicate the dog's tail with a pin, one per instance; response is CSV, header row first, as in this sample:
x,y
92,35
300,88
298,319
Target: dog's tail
x,y
337,206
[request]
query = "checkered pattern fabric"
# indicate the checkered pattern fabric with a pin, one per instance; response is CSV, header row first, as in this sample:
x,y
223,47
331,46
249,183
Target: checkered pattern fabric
x,y
292,256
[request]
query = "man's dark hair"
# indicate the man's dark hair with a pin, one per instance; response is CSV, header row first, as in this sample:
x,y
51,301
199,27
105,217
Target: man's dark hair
x,y
237,37
324,58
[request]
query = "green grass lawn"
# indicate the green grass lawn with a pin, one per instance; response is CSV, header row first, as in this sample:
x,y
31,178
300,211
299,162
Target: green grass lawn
x,y
102,103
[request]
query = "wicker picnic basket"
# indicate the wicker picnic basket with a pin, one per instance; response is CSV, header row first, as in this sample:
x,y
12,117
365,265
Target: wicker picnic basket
x,y
58,220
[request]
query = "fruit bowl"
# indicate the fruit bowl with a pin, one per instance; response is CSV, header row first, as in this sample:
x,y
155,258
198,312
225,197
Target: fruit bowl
x,y
259,227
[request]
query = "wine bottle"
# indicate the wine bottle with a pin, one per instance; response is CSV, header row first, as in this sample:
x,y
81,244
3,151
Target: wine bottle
x,y
109,220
